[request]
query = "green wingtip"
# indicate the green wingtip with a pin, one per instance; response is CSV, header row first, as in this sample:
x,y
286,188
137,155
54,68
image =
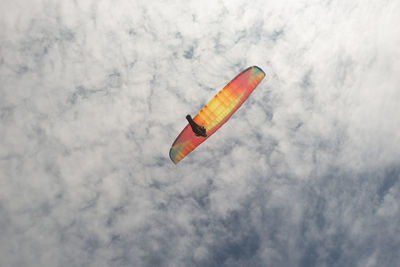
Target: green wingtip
x,y
258,68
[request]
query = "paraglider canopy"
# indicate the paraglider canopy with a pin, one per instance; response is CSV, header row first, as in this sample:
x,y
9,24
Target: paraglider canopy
x,y
213,115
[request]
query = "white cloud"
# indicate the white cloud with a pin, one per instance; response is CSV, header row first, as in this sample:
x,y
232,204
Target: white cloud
x,y
92,95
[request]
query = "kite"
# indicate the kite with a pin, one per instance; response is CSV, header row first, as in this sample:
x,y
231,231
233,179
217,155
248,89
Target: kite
x,y
218,111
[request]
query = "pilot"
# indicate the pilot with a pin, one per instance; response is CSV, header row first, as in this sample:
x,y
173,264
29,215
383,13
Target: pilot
x,y
197,129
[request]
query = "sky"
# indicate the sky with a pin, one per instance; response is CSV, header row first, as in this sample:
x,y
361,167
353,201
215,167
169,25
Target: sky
x,y
93,94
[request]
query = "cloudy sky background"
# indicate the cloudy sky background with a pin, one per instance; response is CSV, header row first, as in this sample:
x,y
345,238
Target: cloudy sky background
x,y
93,93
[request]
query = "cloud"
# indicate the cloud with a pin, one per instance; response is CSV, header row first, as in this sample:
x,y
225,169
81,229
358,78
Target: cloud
x,y
93,94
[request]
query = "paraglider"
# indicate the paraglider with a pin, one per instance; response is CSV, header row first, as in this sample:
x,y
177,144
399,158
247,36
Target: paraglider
x,y
218,111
